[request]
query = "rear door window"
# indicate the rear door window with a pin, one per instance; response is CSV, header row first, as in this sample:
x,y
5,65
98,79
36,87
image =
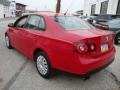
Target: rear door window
x,y
35,23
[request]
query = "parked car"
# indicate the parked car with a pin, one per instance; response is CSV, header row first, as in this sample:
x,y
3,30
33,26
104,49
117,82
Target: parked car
x,y
83,17
63,42
114,26
102,26
89,19
99,19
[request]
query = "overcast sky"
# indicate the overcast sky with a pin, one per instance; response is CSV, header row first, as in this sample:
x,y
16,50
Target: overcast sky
x,y
73,5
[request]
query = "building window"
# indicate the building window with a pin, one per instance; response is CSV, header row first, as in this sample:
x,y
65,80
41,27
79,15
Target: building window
x,y
104,7
118,8
93,9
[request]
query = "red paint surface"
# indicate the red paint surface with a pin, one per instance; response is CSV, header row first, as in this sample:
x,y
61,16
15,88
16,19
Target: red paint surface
x,y
58,44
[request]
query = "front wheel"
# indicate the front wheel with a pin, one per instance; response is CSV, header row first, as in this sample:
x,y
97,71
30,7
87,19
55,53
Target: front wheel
x,y
43,65
7,40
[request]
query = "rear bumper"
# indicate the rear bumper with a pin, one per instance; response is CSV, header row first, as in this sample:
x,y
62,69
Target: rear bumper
x,y
97,69
88,66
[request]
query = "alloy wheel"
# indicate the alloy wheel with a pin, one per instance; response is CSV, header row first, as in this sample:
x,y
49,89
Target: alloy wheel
x,y
42,65
7,41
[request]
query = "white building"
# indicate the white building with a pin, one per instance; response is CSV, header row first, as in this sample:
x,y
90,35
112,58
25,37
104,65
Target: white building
x,y
103,7
1,11
6,11
7,8
12,8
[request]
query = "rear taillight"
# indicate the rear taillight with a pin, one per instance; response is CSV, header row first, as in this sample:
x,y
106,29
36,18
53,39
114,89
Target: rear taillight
x,y
92,47
84,48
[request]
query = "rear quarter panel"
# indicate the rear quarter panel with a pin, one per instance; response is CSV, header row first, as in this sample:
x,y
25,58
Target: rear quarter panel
x,y
57,46
60,53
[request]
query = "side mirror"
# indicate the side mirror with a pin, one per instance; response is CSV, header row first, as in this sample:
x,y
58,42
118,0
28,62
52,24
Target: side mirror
x,y
10,25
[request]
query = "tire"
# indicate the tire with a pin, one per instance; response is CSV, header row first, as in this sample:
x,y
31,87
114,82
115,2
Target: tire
x,y
43,65
7,41
117,40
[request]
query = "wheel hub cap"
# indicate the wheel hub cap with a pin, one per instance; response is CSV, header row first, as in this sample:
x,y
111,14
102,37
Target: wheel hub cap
x,y
7,40
42,65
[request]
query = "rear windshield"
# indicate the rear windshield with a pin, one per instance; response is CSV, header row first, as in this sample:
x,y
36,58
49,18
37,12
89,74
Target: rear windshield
x,y
72,23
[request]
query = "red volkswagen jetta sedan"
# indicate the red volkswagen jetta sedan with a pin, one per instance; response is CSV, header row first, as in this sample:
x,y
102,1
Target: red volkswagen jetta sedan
x,y
63,42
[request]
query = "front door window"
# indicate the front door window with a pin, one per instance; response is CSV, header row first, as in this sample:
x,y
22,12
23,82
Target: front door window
x,y
21,22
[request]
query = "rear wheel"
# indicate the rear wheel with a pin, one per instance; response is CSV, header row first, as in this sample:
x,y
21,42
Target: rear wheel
x,y
7,40
117,39
43,65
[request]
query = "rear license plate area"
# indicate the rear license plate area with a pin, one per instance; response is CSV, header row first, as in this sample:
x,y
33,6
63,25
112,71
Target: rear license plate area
x,y
104,48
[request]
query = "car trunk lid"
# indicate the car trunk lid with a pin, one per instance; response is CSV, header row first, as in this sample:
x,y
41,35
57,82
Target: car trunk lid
x,y
103,40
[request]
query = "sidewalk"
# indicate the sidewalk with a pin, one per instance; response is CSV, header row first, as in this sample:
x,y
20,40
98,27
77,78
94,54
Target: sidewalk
x,y
8,18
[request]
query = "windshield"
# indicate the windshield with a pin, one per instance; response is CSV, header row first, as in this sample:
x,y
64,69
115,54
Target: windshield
x,y
72,23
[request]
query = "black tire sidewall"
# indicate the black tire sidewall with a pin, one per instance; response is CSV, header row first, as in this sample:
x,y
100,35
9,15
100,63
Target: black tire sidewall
x,y
10,47
116,38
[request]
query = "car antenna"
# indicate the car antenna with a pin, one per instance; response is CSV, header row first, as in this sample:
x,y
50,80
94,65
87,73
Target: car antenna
x,y
66,12
68,8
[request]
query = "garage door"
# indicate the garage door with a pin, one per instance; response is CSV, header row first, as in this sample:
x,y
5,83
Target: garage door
x,y
104,7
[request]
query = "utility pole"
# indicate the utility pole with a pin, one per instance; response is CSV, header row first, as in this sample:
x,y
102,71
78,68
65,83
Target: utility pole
x,y
58,6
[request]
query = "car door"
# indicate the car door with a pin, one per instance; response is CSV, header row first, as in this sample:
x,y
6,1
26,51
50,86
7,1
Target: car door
x,y
33,29
16,30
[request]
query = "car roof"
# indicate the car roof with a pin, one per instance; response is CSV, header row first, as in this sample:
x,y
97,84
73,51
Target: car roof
x,y
50,14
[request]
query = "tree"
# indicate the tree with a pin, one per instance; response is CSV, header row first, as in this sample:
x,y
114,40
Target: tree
x,y
58,6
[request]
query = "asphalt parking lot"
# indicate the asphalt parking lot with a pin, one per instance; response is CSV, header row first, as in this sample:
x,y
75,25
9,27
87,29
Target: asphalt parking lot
x,y
17,72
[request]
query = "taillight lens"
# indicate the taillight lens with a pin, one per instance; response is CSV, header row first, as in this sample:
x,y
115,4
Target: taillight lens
x,y
81,48
92,47
85,48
